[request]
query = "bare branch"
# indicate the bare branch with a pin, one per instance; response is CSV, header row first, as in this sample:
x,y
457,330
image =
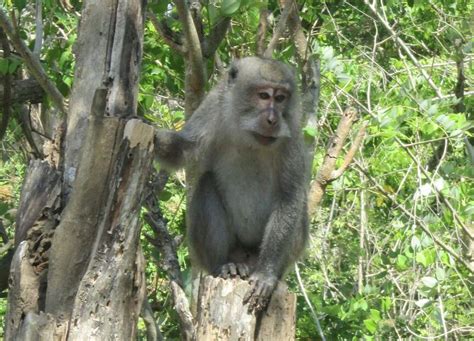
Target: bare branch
x,y
351,153
165,244
325,174
166,33
39,28
404,46
7,87
195,76
280,29
181,306
215,37
32,62
262,30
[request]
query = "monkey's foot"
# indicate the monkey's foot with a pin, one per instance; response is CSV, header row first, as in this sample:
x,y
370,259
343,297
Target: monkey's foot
x,y
231,270
260,292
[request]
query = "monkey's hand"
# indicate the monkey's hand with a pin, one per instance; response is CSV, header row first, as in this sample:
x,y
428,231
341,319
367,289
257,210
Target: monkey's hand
x,y
170,147
231,270
261,290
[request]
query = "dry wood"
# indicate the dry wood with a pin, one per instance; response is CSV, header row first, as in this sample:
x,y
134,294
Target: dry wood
x,y
24,90
23,295
221,314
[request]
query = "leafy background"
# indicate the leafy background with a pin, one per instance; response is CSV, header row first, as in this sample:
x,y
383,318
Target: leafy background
x,y
388,255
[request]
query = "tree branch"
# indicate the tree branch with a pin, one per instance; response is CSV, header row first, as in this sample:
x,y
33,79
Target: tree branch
x,y
165,244
419,222
166,33
404,46
7,91
280,29
326,172
351,153
195,76
215,37
262,30
32,62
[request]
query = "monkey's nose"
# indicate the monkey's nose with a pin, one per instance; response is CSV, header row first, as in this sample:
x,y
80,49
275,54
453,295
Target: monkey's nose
x,y
272,119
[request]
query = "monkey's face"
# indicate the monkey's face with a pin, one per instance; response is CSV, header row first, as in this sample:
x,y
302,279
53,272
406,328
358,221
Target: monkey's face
x,y
265,116
262,102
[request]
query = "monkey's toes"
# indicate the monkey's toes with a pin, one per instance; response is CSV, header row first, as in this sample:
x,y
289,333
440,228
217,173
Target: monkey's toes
x,y
232,270
259,295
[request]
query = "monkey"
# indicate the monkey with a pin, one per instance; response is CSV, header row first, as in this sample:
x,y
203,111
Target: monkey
x,y
247,205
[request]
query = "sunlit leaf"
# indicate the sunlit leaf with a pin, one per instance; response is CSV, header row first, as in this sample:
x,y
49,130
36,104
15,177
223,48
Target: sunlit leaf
x,y
429,282
229,7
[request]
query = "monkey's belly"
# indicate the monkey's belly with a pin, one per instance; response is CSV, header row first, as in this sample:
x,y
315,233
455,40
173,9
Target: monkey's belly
x,y
246,187
249,214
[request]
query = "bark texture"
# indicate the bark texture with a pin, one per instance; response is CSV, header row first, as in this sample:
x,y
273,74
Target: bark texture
x,y
24,90
221,314
79,275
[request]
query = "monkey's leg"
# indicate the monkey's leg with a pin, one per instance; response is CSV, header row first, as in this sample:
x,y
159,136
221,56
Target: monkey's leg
x,y
209,237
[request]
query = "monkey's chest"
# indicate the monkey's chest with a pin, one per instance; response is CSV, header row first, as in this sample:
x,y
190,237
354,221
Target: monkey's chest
x,y
247,189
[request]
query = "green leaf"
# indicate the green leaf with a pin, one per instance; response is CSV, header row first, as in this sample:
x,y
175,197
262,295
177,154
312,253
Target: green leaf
x,y
371,325
19,4
421,303
429,282
13,65
402,262
3,66
165,195
415,243
229,7
440,274
375,315
310,131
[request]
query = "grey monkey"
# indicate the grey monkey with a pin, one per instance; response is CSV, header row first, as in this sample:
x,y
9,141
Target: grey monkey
x,y
247,207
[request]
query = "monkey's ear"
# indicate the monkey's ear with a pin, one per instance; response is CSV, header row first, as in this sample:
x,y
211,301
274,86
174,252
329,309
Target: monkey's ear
x,y
233,72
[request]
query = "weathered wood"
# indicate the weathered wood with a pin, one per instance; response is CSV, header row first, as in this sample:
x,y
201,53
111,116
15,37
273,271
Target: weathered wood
x,y
116,269
221,314
39,193
24,90
23,292
109,50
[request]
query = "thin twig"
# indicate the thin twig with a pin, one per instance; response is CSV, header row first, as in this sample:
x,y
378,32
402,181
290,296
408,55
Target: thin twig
x,y
32,62
308,302
404,46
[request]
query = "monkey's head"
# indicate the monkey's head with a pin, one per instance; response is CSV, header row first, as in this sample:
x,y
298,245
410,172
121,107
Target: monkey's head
x,y
263,101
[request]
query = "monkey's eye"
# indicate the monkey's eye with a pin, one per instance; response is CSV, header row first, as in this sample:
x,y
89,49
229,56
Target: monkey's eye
x,y
263,95
280,98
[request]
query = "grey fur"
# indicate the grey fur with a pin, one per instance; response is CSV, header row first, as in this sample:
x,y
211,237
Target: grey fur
x,y
247,211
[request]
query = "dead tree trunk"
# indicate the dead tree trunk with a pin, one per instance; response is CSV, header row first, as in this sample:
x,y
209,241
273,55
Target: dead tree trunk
x,y
79,273
221,315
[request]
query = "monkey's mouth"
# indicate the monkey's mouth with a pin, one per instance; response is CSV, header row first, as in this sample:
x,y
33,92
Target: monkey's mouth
x,y
264,140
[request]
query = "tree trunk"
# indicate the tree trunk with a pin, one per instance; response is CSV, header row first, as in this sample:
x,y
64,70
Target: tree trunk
x,y
79,273
221,314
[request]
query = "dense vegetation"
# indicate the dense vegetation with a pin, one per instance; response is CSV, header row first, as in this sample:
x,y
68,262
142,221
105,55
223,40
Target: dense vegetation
x,y
392,246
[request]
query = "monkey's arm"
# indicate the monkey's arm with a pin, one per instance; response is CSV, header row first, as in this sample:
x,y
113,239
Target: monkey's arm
x,y
286,232
284,240
170,147
174,148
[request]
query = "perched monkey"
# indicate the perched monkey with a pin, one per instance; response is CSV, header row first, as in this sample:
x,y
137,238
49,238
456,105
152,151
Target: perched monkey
x,y
247,213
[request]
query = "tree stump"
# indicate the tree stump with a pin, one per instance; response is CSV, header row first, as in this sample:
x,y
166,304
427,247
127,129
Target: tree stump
x,y
221,314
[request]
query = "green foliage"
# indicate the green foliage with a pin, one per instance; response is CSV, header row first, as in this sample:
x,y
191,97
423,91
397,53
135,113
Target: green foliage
x,y
399,282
